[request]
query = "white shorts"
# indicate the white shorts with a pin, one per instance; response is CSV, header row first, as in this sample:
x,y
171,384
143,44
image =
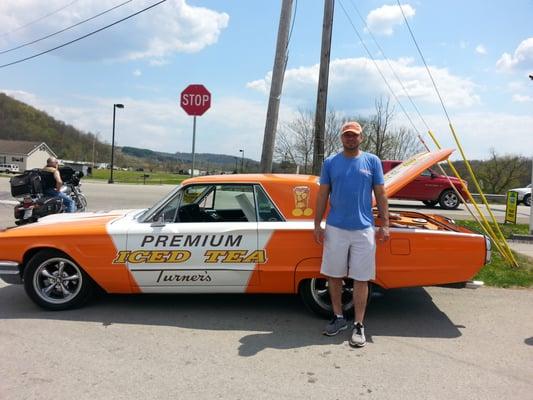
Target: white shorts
x,y
349,254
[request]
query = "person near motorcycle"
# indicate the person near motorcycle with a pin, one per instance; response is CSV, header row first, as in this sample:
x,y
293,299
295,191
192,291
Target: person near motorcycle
x,y
52,186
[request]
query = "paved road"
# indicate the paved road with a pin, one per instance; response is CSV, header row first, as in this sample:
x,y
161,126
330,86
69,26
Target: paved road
x,y
432,343
102,196
424,343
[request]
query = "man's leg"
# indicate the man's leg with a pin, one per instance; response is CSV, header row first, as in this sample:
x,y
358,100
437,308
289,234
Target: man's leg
x,y
335,293
334,266
70,205
338,323
360,295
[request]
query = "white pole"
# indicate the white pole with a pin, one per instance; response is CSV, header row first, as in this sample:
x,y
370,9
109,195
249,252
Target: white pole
x,y
530,206
193,141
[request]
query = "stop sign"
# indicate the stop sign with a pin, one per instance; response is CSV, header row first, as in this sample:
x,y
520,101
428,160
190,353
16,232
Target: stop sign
x,y
195,100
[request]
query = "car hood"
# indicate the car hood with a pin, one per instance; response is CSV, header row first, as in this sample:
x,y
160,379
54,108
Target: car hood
x,y
65,222
403,174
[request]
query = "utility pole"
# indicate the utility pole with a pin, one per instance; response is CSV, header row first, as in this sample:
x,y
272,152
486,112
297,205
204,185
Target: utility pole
x,y
280,62
531,206
322,93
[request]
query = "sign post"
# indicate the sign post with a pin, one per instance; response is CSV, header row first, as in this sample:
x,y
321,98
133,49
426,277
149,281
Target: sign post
x,y
195,100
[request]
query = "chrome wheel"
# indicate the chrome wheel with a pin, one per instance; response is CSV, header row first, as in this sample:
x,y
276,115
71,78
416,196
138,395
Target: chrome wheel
x,y
449,200
318,293
57,280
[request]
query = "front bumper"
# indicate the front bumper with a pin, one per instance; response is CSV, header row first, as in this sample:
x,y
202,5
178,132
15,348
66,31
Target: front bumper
x,y
10,272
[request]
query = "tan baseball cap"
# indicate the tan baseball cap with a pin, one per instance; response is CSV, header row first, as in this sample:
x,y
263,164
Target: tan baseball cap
x,y
351,126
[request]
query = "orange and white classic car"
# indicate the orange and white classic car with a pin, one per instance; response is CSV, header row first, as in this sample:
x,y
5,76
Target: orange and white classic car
x,y
227,234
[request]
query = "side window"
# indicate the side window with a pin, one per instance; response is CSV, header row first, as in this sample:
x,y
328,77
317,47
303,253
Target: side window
x,y
234,203
427,172
266,209
209,203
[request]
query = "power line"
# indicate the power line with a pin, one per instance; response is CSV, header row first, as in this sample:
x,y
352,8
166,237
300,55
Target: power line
x,y
292,24
379,69
82,37
425,63
390,65
65,29
38,19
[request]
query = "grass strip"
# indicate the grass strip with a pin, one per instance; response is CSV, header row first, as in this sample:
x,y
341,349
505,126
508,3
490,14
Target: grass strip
x,y
498,273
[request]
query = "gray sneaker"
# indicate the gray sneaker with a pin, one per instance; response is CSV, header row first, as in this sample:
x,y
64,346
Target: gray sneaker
x,y
358,336
336,325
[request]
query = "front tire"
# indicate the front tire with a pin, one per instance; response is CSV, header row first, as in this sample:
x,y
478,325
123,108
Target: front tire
x,y
527,200
315,295
449,200
55,282
81,202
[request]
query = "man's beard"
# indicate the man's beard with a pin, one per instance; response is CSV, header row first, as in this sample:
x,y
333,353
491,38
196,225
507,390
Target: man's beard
x,y
355,147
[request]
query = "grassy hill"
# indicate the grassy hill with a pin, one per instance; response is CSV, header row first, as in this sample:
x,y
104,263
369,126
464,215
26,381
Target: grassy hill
x,y
19,121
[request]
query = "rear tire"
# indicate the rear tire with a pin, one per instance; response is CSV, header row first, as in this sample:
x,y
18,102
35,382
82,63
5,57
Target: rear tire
x,y
315,295
449,200
55,282
527,200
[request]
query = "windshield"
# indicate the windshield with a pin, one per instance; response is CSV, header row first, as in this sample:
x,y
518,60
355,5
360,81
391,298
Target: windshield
x,y
149,212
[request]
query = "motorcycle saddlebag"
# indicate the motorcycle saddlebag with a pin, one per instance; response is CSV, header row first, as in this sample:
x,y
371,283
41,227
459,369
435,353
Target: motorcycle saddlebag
x,y
27,183
47,206
41,208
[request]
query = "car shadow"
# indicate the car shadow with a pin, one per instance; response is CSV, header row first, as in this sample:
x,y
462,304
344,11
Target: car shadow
x,y
276,321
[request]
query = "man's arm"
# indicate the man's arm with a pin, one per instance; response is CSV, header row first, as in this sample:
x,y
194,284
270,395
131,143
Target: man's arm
x,y
383,211
59,182
320,209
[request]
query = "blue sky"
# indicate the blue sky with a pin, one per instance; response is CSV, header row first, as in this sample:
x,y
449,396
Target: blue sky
x,y
479,52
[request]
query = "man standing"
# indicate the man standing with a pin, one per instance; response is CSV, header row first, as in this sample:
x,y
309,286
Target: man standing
x,y
348,179
54,183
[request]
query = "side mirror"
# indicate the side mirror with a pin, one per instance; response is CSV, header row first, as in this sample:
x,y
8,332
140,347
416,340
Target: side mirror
x,y
159,221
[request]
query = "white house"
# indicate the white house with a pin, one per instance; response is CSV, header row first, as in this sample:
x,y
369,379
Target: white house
x,y
27,155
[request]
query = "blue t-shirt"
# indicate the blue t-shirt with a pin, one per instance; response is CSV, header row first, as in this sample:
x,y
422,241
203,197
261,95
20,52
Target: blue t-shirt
x,y
351,181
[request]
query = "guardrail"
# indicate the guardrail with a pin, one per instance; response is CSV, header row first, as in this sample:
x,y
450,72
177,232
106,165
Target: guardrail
x,y
497,198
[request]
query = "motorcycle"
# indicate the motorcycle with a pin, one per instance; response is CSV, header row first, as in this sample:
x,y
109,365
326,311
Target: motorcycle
x,y
34,204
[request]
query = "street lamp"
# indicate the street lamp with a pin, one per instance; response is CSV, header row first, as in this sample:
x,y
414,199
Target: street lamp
x,y
242,160
115,106
236,165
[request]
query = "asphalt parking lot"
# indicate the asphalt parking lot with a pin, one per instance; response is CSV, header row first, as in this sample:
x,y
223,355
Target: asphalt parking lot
x,y
424,343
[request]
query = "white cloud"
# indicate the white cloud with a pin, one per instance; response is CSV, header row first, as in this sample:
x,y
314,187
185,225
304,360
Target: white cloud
x,y
233,123
354,82
160,124
480,49
383,20
463,44
521,59
519,98
478,132
137,72
172,27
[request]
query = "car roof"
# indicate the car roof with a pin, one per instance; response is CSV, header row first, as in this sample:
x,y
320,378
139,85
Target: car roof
x,y
279,185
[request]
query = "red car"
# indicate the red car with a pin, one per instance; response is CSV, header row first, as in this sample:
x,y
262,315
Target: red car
x,y
430,188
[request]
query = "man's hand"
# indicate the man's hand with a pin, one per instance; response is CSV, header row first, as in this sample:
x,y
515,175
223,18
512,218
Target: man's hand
x,y
383,233
319,234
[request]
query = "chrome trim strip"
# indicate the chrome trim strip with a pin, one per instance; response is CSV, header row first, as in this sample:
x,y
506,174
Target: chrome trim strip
x,y
488,250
